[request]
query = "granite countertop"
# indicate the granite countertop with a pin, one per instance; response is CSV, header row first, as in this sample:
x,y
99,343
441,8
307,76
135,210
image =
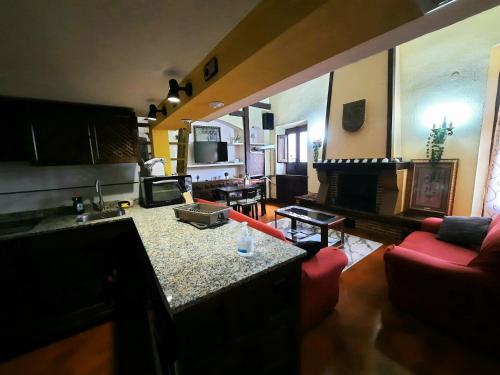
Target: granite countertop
x,y
191,264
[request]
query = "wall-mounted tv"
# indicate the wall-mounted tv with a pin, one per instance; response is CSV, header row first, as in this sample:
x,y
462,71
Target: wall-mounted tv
x,y
210,152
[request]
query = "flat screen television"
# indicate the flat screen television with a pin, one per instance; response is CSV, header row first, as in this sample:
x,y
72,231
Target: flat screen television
x,y
210,152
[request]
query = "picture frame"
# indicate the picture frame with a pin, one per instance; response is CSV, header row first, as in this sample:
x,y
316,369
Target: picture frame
x,y
206,133
433,186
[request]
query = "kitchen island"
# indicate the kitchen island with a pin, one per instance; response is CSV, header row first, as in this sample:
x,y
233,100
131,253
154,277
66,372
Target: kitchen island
x,y
231,313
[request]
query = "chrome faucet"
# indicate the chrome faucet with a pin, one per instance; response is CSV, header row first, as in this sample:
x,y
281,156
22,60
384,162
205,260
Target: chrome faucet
x,y
98,188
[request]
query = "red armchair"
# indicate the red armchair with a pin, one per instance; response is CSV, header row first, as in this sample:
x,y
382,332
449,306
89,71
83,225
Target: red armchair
x,y
455,287
320,275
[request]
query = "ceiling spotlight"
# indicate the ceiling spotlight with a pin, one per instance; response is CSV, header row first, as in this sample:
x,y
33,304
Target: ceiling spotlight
x,y
153,110
216,104
174,88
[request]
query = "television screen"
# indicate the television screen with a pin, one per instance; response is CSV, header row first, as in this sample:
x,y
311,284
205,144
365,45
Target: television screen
x,y
210,152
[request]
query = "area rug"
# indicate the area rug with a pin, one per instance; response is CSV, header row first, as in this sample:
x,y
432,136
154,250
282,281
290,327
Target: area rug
x,y
356,248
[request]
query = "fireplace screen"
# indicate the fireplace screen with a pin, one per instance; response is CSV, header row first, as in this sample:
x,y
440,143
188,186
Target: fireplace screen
x,y
357,192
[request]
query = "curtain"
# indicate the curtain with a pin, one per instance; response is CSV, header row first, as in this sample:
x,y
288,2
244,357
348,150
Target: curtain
x,y
491,205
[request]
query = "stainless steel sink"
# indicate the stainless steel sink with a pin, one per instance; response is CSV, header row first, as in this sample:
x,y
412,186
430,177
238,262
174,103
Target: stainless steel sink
x,y
100,215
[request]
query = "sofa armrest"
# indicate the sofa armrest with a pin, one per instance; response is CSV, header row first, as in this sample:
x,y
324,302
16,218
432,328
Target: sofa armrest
x,y
414,265
327,258
431,224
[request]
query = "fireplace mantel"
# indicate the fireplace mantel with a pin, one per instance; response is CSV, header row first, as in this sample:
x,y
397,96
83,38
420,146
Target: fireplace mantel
x,y
351,165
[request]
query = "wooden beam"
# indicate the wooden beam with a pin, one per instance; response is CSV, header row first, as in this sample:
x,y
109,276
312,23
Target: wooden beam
x,y
390,102
246,136
237,114
327,115
304,34
261,105
160,147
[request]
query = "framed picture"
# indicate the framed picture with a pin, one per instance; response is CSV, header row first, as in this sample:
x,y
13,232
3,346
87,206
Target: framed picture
x,y
206,134
433,186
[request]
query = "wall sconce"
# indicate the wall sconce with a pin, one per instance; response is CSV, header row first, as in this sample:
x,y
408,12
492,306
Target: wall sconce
x,y
174,88
153,110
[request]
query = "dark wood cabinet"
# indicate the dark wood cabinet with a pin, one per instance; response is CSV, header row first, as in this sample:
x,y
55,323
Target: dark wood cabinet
x,y
290,186
15,144
57,141
250,329
115,139
52,133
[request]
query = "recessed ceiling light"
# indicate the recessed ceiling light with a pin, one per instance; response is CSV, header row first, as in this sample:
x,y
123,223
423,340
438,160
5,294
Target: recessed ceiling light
x,y
216,104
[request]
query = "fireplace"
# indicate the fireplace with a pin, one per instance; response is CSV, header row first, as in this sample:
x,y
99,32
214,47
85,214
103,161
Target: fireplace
x,y
368,185
357,191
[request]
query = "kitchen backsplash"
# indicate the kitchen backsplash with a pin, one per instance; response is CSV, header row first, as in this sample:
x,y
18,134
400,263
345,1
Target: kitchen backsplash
x,y
24,187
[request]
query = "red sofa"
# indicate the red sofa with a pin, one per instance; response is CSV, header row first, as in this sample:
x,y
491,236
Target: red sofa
x,y
320,275
455,287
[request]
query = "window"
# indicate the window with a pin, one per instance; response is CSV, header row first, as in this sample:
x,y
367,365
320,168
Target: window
x,y
292,147
303,147
292,150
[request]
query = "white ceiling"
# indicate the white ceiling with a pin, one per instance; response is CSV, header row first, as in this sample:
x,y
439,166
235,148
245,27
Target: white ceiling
x,y
120,52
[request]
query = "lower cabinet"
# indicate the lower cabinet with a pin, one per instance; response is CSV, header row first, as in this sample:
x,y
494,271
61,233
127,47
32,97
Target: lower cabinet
x,y
251,329
289,186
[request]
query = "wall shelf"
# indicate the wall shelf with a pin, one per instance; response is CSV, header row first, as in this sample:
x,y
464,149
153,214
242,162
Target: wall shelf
x,y
214,165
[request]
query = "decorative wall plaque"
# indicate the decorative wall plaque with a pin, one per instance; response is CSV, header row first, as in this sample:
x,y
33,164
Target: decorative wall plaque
x,y
353,115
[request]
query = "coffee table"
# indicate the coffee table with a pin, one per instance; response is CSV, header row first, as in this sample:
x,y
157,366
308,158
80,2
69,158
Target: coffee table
x,y
321,219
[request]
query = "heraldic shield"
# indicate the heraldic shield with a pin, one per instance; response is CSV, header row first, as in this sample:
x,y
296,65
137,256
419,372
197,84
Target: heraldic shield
x,y
353,116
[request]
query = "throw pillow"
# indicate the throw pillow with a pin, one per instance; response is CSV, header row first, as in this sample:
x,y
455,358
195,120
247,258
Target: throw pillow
x,y
464,230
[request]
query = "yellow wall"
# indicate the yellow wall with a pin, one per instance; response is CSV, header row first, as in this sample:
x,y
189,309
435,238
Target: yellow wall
x,y
445,73
365,79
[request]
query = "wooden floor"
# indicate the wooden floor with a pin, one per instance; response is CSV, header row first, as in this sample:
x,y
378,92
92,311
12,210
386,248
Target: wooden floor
x,y
365,335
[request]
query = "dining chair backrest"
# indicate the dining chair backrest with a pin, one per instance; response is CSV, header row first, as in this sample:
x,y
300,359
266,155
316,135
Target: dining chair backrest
x,y
250,194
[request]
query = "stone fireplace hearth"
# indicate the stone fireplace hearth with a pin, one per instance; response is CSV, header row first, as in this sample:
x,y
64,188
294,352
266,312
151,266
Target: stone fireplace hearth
x,y
374,186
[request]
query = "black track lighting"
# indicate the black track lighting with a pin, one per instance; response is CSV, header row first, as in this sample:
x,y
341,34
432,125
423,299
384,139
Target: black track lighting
x,y
153,110
174,88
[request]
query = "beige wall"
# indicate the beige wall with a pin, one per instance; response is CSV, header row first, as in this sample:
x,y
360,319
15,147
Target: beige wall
x,y
303,104
365,79
445,73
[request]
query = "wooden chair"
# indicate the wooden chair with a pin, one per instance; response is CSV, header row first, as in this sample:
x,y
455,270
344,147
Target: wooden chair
x,y
249,205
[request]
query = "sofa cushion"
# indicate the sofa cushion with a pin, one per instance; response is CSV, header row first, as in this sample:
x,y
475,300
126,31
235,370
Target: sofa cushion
x,y
489,254
427,243
467,231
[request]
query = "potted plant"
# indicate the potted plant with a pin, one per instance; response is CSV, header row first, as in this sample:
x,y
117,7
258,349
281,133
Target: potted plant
x,y
436,140
316,146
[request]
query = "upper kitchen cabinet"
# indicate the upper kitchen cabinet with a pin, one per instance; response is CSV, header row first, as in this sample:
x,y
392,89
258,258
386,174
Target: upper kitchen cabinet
x,y
52,133
60,138
115,138
15,142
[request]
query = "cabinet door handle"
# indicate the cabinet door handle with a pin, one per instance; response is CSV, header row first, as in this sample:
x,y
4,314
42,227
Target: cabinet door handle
x,y
90,144
34,141
96,144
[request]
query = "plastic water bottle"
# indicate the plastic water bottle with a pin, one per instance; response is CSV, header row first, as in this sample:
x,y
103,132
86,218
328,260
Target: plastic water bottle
x,y
245,242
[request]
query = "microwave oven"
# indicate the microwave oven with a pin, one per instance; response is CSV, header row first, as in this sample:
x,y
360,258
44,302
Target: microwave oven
x,y
164,190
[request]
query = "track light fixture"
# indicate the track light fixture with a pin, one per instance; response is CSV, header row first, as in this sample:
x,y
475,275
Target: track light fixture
x,y
174,88
153,110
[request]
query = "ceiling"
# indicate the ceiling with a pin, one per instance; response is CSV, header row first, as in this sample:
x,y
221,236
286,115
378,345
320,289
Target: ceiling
x,y
108,52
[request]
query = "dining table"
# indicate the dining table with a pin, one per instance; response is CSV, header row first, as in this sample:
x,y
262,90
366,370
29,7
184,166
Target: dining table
x,y
243,188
